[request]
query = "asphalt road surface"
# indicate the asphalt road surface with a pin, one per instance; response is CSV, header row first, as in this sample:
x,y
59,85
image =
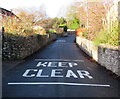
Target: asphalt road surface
x,y
60,69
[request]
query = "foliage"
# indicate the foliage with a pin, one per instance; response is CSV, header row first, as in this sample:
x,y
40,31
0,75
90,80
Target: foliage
x,y
46,23
65,28
58,22
71,12
108,36
74,23
52,30
52,23
99,18
34,15
85,34
22,27
61,26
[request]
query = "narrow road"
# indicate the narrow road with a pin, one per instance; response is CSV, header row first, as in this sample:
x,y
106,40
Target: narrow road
x,y
60,69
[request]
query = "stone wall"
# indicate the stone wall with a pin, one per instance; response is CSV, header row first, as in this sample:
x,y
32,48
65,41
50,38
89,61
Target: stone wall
x,y
19,47
106,56
0,62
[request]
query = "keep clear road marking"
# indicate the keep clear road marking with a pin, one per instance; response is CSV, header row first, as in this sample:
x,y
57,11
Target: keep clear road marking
x,y
57,83
70,73
58,60
61,41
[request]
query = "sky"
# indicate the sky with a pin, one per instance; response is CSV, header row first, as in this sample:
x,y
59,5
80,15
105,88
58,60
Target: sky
x,y
54,8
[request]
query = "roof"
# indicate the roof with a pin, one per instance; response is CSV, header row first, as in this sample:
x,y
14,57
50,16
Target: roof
x,y
6,12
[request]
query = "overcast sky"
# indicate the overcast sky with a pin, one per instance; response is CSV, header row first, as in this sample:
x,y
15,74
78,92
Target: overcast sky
x,y
53,7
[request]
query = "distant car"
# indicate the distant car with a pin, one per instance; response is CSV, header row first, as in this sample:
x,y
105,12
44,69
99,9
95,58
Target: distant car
x,y
65,34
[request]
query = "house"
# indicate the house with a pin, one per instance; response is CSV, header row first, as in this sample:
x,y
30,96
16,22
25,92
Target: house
x,y
5,13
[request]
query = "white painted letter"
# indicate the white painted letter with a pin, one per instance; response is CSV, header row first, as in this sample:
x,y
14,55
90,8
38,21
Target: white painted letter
x,y
39,74
28,71
52,64
42,64
71,73
62,64
55,72
83,73
72,64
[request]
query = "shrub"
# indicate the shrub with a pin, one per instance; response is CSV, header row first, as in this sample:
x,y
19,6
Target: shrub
x,y
23,27
85,34
108,36
74,24
52,31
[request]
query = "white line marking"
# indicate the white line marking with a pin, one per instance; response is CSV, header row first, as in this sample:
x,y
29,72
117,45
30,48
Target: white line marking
x,y
61,41
57,60
57,83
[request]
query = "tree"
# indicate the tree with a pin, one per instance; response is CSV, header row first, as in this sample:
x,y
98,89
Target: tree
x,y
72,18
58,22
31,14
74,23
